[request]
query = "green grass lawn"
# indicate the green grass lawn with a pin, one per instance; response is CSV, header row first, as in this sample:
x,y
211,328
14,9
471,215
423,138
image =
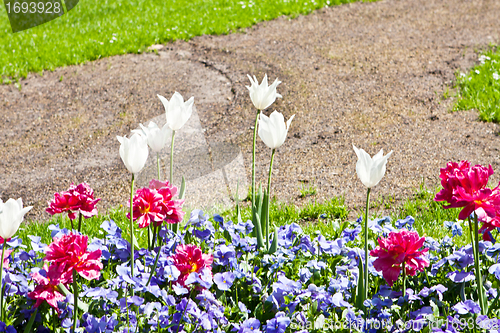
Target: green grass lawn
x,y
480,89
102,28
329,217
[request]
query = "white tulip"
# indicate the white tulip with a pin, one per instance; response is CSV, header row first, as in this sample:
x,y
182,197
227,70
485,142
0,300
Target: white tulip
x,y
370,170
11,215
273,130
177,111
156,137
134,152
263,96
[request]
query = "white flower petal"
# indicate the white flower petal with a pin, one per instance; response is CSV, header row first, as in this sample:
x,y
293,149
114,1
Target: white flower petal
x,y
370,170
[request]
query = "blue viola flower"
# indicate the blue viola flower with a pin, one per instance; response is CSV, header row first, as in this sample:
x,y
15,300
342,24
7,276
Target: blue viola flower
x,y
179,290
454,227
278,324
351,234
36,244
206,298
406,222
197,218
224,281
304,274
7,329
223,253
460,276
466,307
251,325
128,301
111,228
495,270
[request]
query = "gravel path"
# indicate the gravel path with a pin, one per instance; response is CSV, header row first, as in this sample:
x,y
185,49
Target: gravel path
x,y
369,74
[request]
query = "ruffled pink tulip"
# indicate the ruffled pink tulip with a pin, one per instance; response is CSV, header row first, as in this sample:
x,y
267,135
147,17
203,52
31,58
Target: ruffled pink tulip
x,y
189,258
6,259
78,198
70,252
171,209
400,247
147,207
465,187
488,223
47,285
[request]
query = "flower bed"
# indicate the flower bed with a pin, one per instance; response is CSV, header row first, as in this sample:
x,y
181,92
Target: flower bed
x,y
216,275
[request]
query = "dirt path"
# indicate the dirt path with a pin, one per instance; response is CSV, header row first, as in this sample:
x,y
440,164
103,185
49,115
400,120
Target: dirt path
x,y
369,74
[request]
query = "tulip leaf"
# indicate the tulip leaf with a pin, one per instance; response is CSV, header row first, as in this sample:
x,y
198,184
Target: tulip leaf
x,y
260,198
264,219
237,199
182,191
359,287
82,305
274,245
258,232
31,321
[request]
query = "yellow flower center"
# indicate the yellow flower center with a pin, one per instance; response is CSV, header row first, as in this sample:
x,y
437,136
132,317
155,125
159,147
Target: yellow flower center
x,y
193,267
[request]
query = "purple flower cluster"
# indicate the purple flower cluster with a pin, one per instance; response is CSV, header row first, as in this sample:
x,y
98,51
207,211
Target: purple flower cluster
x,y
310,282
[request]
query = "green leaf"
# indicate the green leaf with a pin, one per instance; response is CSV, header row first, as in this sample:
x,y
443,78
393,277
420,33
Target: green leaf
x,y
258,232
82,305
264,218
360,292
274,245
183,188
237,199
30,322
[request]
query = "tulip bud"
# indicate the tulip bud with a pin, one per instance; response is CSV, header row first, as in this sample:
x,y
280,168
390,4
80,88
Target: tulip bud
x,y
11,215
134,152
156,137
273,130
263,96
370,170
177,111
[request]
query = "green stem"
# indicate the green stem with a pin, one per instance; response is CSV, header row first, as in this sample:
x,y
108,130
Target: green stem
x,y
75,300
253,156
128,316
53,319
184,312
149,237
158,165
427,278
154,266
366,284
80,216
471,237
1,281
404,279
132,229
155,228
268,197
172,159
477,264
236,291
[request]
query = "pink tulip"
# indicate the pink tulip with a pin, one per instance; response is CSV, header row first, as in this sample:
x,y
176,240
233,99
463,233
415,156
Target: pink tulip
x,y
400,247
465,187
47,281
147,207
70,252
189,258
171,209
78,198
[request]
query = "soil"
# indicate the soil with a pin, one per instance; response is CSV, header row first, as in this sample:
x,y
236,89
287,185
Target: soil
x,y
368,74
